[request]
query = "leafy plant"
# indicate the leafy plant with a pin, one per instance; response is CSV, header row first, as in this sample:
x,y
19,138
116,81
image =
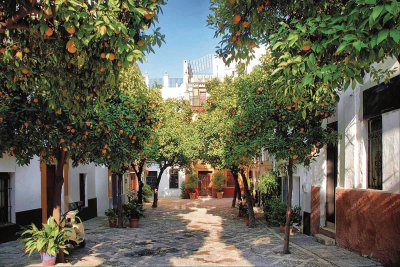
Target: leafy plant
x,y
147,193
111,213
50,239
193,181
133,209
296,215
243,208
182,188
275,212
219,181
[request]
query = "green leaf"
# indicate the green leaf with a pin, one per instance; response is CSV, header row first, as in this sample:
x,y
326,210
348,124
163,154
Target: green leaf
x,y
382,36
341,47
359,45
376,12
370,2
395,34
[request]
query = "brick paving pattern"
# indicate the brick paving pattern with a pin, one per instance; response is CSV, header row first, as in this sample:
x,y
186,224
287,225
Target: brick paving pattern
x,y
203,232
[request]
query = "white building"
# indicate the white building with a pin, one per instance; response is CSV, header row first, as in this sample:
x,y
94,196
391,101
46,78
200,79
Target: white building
x,y
24,196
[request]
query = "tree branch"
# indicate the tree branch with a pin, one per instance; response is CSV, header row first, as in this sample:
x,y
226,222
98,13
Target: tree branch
x,y
10,23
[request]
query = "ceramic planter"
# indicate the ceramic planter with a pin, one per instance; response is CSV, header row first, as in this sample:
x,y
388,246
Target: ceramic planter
x,y
193,195
247,220
282,229
47,260
134,222
112,222
220,194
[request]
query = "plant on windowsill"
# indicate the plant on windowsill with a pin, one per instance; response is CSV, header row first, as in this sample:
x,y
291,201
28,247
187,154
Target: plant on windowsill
x,y
112,215
48,241
219,183
133,210
192,184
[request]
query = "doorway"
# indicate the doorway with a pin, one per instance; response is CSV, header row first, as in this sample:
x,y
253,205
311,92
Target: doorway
x,y
204,182
331,182
50,183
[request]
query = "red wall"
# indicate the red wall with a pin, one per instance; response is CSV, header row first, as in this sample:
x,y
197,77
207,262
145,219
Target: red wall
x,y
228,192
369,222
315,212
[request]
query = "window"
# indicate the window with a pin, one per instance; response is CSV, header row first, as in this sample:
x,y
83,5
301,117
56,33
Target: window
x,y
174,179
82,189
284,188
151,179
4,198
375,153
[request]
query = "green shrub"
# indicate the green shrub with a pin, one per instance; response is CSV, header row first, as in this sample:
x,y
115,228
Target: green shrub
x,y
267,184
147,193
275,212
182,187
219,181
192,183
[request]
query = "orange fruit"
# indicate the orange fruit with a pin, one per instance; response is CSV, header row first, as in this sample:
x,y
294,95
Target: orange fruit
x,y
246,24
148,15
62,140
295,156
71,48
2,50
25,71
306,48
121,131
70,29
65,149
236,19
238,33
102,69
233,38
240,123
48,11
49,32
73,130
26,124
104,151
87,124
35,100
302,130
140,43
111,57
291,148
14,47
252,44
260,8
103,55
18,55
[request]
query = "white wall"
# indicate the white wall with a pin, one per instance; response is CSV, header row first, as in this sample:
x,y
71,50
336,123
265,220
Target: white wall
x,y
164,190
73,180
391,151
101,177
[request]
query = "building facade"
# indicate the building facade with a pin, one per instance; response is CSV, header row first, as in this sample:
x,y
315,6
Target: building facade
x,y
25,195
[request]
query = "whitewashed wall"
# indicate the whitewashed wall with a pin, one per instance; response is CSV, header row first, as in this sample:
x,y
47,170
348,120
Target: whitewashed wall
x,y
101,176
164,190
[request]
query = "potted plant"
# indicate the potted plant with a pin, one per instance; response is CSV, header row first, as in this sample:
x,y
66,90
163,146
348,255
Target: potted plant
x,y
276,216
244,212
133,211
219,183
192,185
48,241
147,193
112,215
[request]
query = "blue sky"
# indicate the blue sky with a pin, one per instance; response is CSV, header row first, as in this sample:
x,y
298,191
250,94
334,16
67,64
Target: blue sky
x,y
187,36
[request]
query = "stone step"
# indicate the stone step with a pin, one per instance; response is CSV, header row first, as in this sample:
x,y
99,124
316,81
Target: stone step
x,y
328,232
325,240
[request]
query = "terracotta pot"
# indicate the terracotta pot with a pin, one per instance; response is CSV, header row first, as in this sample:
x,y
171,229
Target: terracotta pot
x,y
220,194
282,229
47,260
134,223
247,220
112,222
193,195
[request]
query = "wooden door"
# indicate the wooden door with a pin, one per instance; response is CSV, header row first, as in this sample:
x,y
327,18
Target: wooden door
x,y
204,182
331,168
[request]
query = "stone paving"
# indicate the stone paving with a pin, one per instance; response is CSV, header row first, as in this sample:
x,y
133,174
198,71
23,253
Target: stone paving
x,y
203,232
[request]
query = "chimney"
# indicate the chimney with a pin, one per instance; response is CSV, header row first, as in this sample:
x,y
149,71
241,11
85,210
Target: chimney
x,y
165,80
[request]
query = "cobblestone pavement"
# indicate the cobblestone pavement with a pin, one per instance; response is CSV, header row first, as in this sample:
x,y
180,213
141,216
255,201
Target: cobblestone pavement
x,y
203,232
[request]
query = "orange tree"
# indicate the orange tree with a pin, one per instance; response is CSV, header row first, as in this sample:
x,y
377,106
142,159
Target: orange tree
x,y
110,134
176,140
228,137
72,51
335,42
287,127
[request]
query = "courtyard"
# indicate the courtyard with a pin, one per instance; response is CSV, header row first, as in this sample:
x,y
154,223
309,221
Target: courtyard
x,y
182,232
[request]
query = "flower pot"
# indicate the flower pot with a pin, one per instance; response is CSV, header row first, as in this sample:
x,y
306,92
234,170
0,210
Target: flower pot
x,y
134,222
220,194
47,260
193,195
247,220
112,222
282,229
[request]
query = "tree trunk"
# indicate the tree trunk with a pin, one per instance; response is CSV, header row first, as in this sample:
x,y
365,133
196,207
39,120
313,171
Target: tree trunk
x,y
61,157
140,191
59,181
155,189
138,171
289,207
234,197
249,200
237,187
119,194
